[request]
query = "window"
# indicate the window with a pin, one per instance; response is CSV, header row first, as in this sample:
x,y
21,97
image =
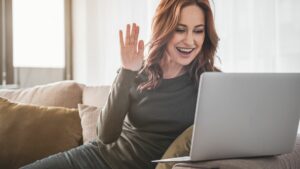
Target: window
x,y
39,35
36,39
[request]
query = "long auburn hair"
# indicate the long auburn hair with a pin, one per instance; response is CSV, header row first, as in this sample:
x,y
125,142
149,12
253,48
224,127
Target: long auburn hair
x,y
164,23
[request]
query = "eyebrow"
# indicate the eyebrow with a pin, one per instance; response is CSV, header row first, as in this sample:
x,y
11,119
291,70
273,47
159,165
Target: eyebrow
x,y
201,25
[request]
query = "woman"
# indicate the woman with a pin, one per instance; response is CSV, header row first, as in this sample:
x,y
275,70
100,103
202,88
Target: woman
x,y
151,101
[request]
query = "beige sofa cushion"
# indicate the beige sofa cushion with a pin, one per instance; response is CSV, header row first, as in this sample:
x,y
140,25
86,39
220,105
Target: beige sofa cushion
x,y
89,116
63,94
93,99
29,133
95,95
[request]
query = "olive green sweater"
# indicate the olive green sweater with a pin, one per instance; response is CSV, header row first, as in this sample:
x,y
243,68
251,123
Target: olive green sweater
x,y
137,127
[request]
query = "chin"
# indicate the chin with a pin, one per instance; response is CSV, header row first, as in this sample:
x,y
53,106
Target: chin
x,y
185,62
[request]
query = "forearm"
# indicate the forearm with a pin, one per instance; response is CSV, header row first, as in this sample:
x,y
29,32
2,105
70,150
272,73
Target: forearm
x,y
110,121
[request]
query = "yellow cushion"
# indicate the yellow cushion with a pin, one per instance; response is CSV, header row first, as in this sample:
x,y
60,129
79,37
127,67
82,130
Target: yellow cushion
x,y
180,147
29,133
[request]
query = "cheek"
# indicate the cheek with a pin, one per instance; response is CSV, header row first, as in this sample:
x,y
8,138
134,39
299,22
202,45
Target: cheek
x,y
200,40
176,38
199,43
172,43
199,47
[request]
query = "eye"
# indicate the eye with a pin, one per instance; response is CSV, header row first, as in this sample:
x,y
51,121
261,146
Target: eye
x,y
199,31
180,30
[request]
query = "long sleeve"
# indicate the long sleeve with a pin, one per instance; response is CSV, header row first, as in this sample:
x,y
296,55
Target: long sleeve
x,y
154,118
110,120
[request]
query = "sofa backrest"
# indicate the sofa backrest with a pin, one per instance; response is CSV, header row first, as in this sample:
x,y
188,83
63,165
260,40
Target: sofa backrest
x,y
62,94
95,95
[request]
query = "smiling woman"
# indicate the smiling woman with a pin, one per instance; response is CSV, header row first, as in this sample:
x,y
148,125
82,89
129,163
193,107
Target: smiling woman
x,y
186,42
153,98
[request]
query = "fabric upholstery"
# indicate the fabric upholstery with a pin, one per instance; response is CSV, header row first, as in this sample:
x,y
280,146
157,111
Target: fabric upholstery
x,y
180,147
29,133
284,161
95,95
88,116
63,94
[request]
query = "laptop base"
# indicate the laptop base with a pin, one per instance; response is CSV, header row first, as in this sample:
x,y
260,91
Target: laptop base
x,y
175,159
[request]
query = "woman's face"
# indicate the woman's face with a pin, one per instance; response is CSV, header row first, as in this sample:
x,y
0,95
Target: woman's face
x,y
187,40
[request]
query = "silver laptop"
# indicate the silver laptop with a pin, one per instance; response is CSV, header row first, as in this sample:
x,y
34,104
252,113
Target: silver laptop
x,y
244,115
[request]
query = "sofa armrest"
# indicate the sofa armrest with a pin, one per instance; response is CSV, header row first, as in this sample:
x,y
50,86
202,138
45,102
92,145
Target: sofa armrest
x,y
284,161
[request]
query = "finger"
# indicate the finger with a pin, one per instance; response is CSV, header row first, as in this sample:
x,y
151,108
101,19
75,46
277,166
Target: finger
x,y
127,34
136,36
141,47
132,35
121,39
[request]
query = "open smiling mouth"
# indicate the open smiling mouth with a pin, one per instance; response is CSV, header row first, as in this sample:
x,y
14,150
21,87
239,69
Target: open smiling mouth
x,y
185,51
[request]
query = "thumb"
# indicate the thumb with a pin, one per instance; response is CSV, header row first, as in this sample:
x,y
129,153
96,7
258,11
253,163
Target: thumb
x,y
141,48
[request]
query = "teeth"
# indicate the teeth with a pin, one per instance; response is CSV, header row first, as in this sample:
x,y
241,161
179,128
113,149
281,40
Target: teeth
x,y
187,50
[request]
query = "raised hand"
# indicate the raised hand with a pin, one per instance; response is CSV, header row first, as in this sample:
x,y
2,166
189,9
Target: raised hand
x,y
132,51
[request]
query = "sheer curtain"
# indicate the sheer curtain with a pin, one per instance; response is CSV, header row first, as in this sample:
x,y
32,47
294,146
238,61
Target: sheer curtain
x,y
255,35
258,35
96,40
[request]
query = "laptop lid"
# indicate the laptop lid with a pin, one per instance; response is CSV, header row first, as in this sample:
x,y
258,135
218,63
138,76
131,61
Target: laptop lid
x,y
245,115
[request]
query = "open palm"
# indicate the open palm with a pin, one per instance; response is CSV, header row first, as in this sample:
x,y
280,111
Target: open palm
x,y
132,50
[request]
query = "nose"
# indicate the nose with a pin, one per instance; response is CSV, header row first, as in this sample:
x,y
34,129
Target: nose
x,y
189,38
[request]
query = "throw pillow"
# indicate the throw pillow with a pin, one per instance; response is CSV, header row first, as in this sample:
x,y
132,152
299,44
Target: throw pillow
x,y
29,133
180,147
89,116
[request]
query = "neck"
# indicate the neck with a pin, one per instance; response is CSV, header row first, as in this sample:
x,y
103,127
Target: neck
x,y
170,68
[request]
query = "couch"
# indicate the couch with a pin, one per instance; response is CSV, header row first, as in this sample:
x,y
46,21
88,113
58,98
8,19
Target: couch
x,y
69,94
